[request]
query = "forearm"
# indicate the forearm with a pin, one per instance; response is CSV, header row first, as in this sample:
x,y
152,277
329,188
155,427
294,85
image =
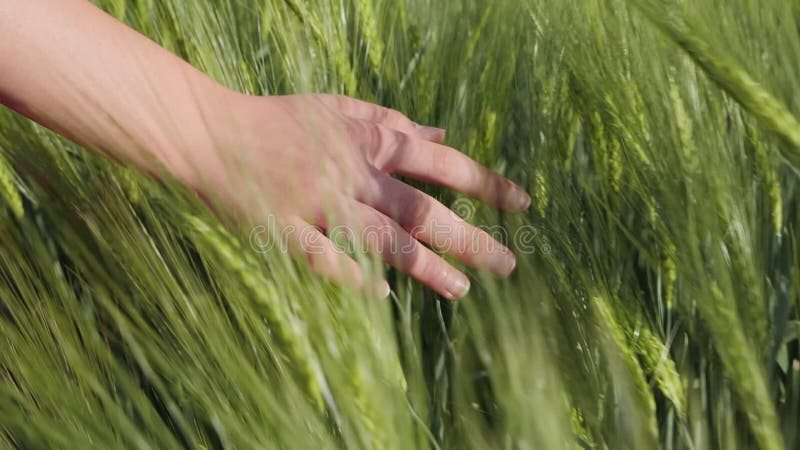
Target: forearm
x,y
71,67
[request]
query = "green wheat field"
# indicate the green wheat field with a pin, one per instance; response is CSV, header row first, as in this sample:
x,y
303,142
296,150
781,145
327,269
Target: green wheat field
x,y
656,300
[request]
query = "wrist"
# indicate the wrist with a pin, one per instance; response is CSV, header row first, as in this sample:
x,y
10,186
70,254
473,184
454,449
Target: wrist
x,y
221,122
198,131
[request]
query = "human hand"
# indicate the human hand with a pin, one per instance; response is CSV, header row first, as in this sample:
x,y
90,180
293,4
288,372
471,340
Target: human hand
x,y
324,162
312,160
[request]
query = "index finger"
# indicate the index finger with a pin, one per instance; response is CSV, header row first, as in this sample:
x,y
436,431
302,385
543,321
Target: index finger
x,y
427,161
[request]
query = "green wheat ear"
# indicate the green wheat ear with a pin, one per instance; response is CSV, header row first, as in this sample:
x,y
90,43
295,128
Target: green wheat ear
x,y
766,169
729,75
8,188
368,22
611,324
658,364
220,246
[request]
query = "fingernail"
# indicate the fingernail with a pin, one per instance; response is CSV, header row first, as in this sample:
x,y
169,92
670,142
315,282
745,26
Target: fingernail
x,y
383,289
519,199
431,133
456,285
503,262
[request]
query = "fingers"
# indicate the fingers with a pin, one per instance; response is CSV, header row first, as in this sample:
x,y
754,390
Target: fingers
x,y
386,117
424,218
324,258
384,237
403,147
396,152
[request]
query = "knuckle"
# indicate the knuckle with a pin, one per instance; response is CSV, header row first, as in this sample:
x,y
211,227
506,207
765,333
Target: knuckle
x,y
341,101
427,266
387,146
361,133
398,120
380,114
416,212
440,162
379,235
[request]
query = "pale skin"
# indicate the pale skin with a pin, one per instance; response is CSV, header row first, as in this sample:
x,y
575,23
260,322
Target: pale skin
x,y
316,161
